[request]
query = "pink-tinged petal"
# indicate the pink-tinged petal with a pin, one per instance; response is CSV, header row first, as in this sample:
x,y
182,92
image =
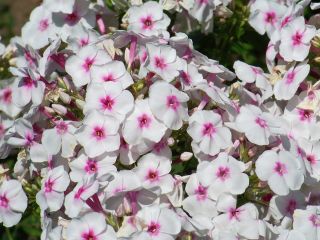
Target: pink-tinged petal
x,y
38,93
10,218
194,206
226,202
278,184
38,153
68,143
169,222
54,200
239,183
265,163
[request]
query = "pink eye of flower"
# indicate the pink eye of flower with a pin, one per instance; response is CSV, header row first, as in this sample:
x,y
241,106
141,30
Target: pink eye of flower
x,y
62,128
31,60
84,42
28,82
315,220
48,185
147,22
98,133
160,63
305,114
4,202
223,173
108,78
297,38
201,192
88,62
7,96
203,2
144,121
311,159
153,175
208,129
91,166
173,102
280,168
43,25
29,139
270,17
89,235
292,205
107,103
153,228
234,214
261,122
160,145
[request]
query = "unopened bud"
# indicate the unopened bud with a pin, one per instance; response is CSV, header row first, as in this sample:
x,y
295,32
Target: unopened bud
x,y
65,98
170,141
80,104
58,108
186,156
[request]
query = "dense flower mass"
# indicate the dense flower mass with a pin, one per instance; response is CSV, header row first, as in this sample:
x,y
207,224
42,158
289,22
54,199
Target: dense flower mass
x,y
128,132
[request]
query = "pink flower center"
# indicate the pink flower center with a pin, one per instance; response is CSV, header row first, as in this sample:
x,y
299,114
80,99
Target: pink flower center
x,y
153,228
43,25
172,102
90,235
152,175
160,63
158,147
29,139
270,17
290,77
292,205
297,38
305,115
88,62
84,42
147,23
108,78
311,159
48,186
107,103
28,82
7,96
315,220
208,129
144,121
99,133
280,168
31,60
62,128
223,173
261,122
234,214
91,166
4,202
201,192
203,2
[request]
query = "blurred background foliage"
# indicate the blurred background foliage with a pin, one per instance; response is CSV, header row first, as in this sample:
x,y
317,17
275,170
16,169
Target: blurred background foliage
x,y
232,39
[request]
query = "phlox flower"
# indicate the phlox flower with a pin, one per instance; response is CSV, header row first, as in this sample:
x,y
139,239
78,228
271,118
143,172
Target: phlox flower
x,y
141,124
163,61
39,29
286,88
51,195
114,71
206,130
281,170
13,202
307,222
224,174
99,134
170,107
154,172
6,102
295,40
242,220
110,99
61,137
90,226
198,201
156,223
75,201
147,19
80,65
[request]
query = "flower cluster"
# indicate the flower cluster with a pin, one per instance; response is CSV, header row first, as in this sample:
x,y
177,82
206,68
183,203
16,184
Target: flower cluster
x,y
134,134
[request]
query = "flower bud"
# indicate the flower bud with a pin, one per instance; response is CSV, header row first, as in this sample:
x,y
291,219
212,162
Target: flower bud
x,y
58,108
65,98
186,156
170,141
